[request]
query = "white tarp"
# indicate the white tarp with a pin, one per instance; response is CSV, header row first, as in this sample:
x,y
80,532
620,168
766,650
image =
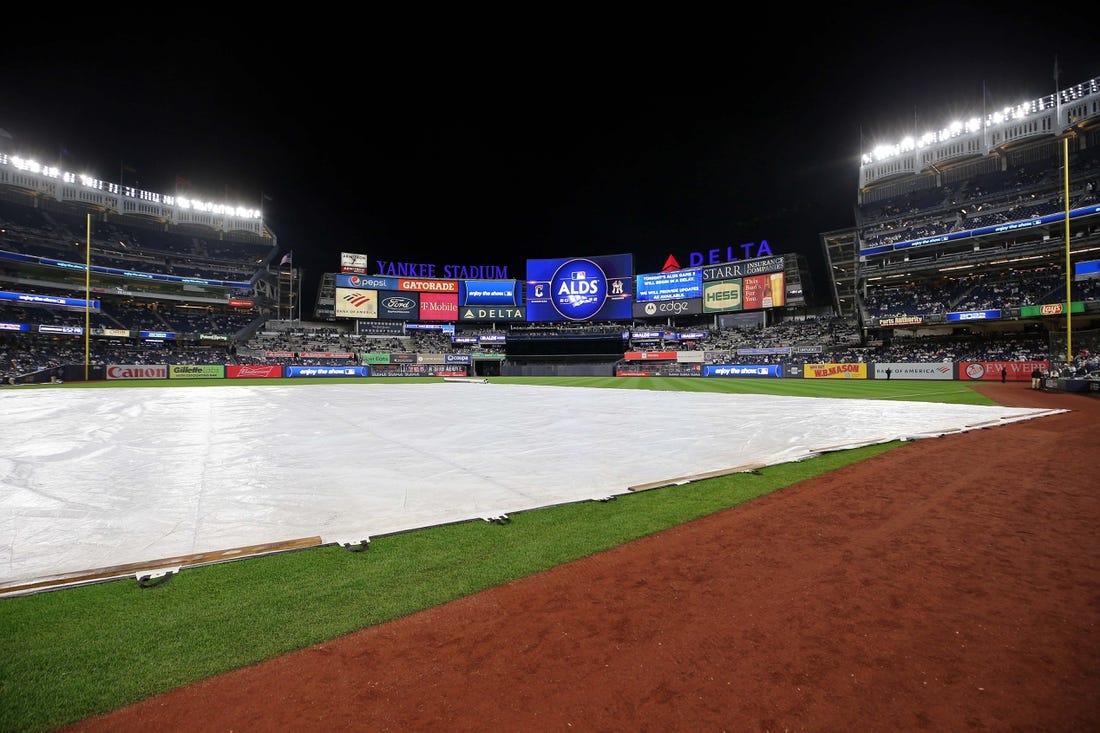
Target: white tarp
x,y
95,478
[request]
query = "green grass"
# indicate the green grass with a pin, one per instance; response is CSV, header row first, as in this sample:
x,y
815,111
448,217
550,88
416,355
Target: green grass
x,y
70,654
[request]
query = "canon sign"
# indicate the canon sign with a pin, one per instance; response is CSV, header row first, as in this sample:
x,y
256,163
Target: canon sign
x,y
137,371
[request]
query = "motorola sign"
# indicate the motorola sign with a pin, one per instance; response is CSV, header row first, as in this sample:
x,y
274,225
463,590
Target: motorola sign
x,y
666,308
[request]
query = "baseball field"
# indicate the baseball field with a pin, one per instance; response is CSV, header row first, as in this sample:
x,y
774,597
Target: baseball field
x,y
944,583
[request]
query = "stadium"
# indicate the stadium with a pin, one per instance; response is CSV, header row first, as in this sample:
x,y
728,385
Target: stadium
x,y
964,247
972,262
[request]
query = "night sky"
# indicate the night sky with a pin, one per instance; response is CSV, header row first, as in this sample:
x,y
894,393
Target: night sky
x,y
489,140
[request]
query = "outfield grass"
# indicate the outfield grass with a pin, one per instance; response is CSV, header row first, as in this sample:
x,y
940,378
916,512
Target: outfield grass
x,y
73,653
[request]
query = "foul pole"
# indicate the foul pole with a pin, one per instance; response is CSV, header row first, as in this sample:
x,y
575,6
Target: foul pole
x,y
1069,276
87,291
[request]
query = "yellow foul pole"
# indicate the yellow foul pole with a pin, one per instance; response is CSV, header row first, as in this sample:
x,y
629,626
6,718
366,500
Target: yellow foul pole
x,y
87,292
1069,277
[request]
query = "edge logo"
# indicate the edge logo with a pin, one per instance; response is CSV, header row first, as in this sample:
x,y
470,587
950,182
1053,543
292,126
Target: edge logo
x,y
669,307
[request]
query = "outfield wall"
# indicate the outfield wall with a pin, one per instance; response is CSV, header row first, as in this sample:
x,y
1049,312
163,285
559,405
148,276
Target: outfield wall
x,y
965,371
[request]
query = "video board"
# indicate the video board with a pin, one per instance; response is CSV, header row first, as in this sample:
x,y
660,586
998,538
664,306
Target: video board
x,y
489,292
672,285
580,288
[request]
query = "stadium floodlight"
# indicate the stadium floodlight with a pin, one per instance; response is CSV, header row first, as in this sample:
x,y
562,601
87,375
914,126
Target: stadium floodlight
x,y
88,181
1005,115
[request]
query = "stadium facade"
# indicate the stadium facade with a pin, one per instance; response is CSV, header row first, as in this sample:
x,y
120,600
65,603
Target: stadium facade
x,y
991,205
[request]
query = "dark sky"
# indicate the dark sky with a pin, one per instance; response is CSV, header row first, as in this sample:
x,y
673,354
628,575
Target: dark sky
x,y
494,139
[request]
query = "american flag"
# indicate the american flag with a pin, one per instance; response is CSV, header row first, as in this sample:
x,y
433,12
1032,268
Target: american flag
x,y
287,259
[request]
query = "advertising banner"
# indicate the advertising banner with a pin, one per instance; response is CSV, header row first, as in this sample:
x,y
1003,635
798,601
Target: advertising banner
x,y
990,371
157,334
835,371
580,289
137,371
430,359
649,355
901,321
50,328
352,303
489,292
724,295
354,263
693,357
439,306
36,299
1051,309
763,291
374,358
987,315
419,370
15,327
743,370
196,371
742,268
492,313
665,308
410,285
117,332
326,355
254,371
659,369
913,370
366,282
327,371
457,359
397,306
1087,270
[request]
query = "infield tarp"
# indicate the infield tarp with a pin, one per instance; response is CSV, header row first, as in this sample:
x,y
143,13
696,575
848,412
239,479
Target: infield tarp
x,y
96,478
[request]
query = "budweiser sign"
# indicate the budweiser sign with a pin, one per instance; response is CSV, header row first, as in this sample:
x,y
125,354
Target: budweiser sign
x,y
254,371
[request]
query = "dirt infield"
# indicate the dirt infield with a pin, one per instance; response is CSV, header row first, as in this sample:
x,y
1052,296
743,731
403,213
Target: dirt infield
x,y
952,584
